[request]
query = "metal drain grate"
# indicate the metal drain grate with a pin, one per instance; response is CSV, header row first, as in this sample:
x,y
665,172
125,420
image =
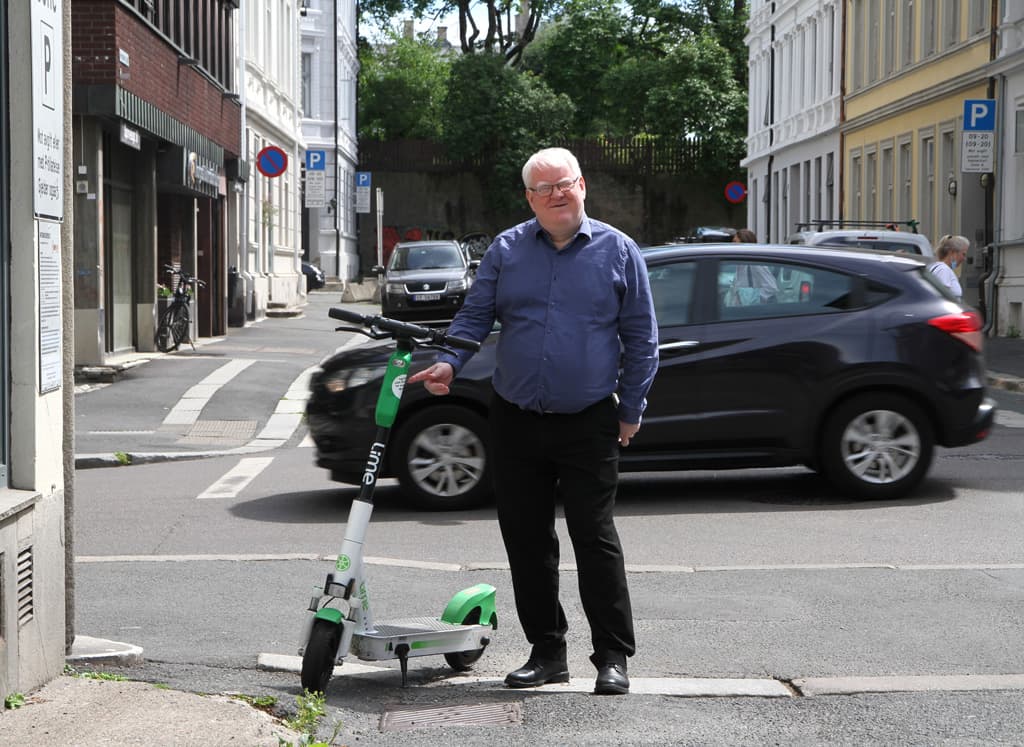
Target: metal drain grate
x,y
217,431
403,718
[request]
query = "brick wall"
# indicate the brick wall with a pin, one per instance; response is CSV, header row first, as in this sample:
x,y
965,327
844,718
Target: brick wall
x,y
102,28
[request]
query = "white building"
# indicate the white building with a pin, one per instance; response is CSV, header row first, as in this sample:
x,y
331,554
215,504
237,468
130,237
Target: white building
x,y
271,225
1008,71
329,67
795,100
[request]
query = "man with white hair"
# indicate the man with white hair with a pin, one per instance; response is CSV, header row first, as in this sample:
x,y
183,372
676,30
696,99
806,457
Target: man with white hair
x,y
951,251
573,297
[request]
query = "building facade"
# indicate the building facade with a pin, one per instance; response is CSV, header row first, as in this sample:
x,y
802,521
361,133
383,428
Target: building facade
x,y
270,237
795,104
157,138
35,400
329,67
910,67
1006,285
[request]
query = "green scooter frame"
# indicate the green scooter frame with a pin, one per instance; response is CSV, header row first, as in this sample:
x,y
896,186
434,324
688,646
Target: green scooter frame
x,y
342,620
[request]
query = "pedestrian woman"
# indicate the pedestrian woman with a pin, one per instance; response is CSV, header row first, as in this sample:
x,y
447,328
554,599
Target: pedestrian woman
x,y
950,252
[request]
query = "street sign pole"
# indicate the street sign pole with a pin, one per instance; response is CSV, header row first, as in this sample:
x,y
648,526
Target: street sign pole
x,y
380,227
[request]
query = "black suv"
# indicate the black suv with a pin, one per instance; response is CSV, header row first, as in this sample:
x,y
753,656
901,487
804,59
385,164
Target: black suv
x,y
854,363
426,280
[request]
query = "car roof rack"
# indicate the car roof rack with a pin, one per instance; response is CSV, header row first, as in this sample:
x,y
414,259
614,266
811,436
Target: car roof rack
x,y
885,225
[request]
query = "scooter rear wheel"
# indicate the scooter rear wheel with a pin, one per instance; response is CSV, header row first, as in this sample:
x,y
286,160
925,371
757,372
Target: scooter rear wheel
x,y
462,661
319,657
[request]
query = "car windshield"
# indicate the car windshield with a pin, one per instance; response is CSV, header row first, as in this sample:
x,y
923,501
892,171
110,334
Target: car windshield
x,y
426,258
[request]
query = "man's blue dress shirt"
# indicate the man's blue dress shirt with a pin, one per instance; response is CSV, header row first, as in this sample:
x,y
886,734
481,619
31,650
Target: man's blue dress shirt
x,y
563,315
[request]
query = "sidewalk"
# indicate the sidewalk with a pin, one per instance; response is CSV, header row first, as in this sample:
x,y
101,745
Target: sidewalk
x,y
88,712
1004,357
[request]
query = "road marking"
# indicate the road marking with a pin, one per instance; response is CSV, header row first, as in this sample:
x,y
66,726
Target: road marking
x,y
1009,418
187,410
235,480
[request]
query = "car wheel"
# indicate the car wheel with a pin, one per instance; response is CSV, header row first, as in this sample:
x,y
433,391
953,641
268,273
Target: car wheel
x,y
877,446
440,458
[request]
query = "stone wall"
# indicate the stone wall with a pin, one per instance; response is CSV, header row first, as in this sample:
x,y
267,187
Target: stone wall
x,y
653,209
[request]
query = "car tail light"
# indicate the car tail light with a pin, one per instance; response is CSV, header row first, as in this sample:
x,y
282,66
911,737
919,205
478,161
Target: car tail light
x,y
964,326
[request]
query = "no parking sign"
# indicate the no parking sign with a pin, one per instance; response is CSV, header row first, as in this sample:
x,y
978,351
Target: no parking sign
x,y
735,192
272,161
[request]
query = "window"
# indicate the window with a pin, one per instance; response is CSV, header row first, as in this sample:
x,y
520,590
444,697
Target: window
x,y
907,32
870,185
950,23
857,44
929,27
307,85
753,290
905,166
978,16
672,288
874,37
856,187
1019,133
888,193
889,44
927,186
949,172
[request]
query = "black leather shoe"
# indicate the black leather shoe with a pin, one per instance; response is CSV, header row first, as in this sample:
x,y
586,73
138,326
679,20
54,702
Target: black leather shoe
x,y
537,672
611,680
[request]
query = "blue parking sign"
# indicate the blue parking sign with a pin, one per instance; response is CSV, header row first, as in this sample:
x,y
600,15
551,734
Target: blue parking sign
x,y
316,160
362,178
979,115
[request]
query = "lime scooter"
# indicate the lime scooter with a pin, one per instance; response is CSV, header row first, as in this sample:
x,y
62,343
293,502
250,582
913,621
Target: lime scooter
x,y
342,621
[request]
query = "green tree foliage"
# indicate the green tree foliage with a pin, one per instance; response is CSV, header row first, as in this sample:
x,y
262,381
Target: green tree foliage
x,y
402,86
651,68
495,117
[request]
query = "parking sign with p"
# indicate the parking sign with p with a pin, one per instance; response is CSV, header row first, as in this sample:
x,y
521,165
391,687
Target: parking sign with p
x,y
979,115
316,160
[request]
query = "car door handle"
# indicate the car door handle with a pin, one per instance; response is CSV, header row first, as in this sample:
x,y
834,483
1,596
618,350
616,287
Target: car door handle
x,y
679,345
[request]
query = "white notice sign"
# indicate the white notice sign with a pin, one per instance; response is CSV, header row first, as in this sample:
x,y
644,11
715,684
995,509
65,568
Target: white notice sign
x,y
976,152
48,109
362,199
316,189
50,326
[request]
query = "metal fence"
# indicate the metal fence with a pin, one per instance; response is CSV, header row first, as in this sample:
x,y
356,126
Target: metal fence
x,y
609,155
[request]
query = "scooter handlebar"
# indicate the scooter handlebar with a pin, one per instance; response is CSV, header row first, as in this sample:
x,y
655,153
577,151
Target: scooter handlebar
x,y
397,328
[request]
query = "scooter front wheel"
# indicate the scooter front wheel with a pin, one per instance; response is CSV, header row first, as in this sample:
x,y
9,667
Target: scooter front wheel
x,y
462,661
320,654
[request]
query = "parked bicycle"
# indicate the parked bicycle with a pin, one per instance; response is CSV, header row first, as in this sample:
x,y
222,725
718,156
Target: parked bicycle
x,y
176,321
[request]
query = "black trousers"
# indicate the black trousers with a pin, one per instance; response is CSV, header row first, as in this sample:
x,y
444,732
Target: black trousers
x,y
540,459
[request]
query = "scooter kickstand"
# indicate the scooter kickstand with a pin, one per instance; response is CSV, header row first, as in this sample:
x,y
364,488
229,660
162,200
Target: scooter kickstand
x,y
402,652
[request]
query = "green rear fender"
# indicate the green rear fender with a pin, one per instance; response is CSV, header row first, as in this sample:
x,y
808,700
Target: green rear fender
x,y
463,603
328,613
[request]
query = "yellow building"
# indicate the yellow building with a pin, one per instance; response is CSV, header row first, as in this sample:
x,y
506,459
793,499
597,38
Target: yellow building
x,y
910,65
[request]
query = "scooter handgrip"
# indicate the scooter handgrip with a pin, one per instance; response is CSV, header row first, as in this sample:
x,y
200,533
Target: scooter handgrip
x,y
346,316
462,342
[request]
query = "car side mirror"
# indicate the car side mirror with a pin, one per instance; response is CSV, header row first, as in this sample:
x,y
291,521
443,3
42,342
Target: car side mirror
x,y
377,270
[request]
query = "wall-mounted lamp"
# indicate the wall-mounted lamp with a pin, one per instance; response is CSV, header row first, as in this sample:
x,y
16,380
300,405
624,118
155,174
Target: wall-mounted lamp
x,y
303,7
986,181
951,187
331,205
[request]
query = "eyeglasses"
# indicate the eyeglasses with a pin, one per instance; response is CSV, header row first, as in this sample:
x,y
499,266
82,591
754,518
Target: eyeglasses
x,y
545,190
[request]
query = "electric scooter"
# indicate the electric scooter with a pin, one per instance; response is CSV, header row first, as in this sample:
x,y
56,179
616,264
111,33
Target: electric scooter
x,y
342,621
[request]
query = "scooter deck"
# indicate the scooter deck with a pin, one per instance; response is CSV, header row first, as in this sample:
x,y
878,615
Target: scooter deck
x,y
423,635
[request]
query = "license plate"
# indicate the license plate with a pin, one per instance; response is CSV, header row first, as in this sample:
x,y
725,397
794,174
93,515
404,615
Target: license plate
x,y
426,296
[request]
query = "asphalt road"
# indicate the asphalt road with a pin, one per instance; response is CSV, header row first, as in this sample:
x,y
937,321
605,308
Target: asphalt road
x,y
762,576
747,582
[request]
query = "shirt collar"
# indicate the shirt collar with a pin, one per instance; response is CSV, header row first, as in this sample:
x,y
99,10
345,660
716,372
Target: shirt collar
x,y
585,229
